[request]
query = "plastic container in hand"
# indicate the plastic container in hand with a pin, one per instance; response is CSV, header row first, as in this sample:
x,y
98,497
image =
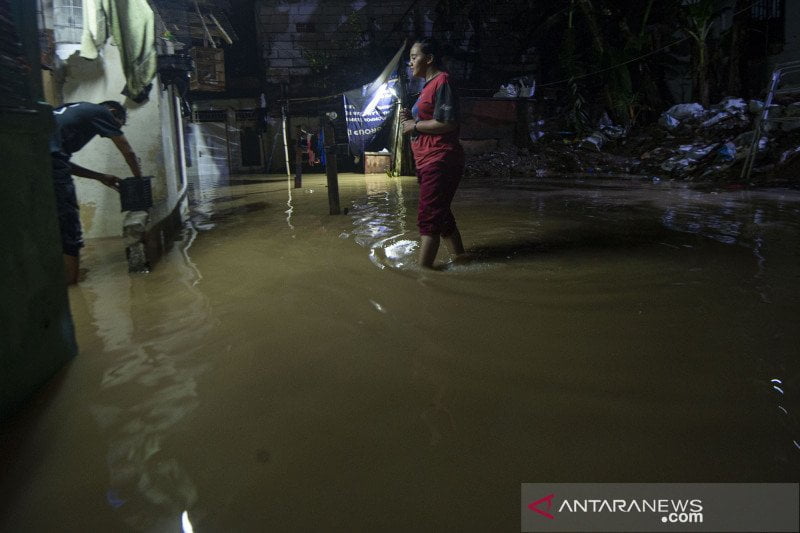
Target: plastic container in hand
x,y
136,193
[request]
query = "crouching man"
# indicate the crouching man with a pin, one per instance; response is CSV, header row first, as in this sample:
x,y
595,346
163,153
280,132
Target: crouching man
x,y
75,125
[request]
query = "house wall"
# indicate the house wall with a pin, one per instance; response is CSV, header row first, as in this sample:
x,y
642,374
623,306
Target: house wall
x,y
215,147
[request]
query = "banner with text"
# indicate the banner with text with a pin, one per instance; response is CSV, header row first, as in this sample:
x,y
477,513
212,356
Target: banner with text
x,y
366,130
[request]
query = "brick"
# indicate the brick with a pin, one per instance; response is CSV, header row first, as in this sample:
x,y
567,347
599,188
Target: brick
x,y
278,27
336,8
325,21
282,45
277,63
307,9
289,54
277,38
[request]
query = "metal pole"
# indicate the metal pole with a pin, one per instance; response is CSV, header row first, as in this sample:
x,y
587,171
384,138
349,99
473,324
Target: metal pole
x,y
330,166
228,139
181,160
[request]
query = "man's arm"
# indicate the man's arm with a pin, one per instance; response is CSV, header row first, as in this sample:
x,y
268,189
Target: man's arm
x,y
106,179
127,152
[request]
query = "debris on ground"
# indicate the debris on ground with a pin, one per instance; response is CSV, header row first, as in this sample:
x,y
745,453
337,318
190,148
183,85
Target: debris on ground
x,y
688,142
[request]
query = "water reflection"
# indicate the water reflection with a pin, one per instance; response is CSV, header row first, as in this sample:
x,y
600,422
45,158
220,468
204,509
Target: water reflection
x,y
150,386
545,220
290,209
186,524
379,222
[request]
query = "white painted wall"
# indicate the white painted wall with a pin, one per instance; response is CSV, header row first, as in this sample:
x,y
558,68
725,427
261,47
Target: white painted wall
x,y
150,129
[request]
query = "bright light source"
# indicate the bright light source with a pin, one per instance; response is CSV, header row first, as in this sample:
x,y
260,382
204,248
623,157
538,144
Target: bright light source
x,y
185,523
375,99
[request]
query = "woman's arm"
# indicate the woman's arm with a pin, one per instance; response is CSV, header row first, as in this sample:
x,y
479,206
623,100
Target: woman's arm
x,y
435,127
430,127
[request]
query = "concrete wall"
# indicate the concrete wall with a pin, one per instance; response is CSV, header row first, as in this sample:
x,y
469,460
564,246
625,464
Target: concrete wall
x,y
151,130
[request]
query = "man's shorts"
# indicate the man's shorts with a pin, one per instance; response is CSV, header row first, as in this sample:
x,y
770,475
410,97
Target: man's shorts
x,y
69,220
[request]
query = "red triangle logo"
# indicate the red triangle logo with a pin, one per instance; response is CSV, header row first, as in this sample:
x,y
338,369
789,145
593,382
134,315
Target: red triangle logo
x,y
535,506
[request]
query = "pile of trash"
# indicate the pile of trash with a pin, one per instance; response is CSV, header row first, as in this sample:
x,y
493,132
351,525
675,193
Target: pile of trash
x,y
704,143
689,142
548,158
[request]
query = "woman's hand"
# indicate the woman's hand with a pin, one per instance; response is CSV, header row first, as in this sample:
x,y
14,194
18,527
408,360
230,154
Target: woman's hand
x,y
408,125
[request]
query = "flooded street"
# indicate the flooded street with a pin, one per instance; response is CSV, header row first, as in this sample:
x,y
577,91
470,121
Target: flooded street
x,y
282,369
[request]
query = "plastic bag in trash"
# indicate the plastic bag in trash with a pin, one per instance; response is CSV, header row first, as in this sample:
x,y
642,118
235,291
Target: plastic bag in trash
x,y
745,140
684,111
676,164
668,121
716,119
536,129
727,152
527,86
507,91
755,106
788,154
697,151
595,140
732,105
614,132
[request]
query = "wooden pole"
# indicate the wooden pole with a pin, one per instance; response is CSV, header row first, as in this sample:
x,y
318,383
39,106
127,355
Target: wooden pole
x,y
330,166
298,165
205,28
397,168
221,29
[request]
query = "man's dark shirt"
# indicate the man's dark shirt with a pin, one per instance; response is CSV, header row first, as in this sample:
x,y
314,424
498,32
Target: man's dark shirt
x,y
77,124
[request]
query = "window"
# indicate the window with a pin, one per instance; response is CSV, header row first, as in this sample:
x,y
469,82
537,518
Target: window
x,y
767,27
68,21
767,9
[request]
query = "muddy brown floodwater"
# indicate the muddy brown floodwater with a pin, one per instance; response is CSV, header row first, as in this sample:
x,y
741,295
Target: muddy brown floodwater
x,y
286,370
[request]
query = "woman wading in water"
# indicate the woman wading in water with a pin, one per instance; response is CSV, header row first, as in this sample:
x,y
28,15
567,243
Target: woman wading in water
x,y
438,155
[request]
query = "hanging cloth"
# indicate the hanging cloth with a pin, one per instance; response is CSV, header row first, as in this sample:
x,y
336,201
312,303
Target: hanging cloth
x,y
132,25
321,146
